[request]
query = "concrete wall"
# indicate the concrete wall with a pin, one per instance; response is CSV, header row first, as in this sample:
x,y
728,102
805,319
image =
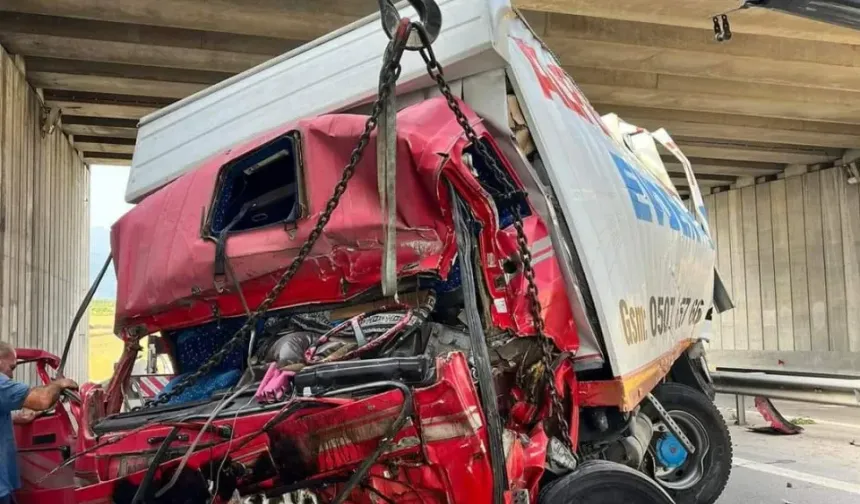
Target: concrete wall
x,y
44,226
789,251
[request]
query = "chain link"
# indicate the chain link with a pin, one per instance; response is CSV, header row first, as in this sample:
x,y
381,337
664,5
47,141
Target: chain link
x,y
547,345
388,77
514,196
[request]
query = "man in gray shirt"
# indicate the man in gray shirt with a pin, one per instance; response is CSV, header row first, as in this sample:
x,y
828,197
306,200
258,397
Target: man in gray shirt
x,y
19,396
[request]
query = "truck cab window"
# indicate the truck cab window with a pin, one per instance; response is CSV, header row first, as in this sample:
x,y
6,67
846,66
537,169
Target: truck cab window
x,y
260,188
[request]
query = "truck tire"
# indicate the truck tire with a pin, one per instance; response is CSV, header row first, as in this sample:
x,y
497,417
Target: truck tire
x,y
697,478
604,482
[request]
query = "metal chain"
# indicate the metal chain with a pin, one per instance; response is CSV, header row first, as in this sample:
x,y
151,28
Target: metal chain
x,y
547,345
388,77
511,195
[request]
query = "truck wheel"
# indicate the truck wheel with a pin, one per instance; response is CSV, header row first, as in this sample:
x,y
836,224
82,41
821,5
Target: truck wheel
x,y
603,482
697,478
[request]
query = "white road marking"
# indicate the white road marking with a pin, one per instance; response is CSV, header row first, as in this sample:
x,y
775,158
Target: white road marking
x,y
844,486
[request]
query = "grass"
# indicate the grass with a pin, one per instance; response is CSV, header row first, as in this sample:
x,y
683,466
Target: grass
x,y
103,310
803,421
105,347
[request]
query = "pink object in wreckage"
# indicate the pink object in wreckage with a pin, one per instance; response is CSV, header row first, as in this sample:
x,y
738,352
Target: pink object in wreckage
x,y
275,385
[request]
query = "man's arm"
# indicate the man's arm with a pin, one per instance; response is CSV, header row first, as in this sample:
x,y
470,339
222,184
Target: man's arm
x,y
44,398
23,417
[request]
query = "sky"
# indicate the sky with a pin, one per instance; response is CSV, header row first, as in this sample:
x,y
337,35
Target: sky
x,y
107,194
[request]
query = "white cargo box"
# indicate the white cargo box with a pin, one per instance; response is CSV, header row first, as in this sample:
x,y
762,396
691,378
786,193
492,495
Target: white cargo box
x,y
638,266
330,74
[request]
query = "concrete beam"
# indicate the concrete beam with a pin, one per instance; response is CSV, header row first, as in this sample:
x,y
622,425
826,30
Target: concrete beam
x,y
107,85
616,87
103,148
704,101
129,142
698,14
106,155
78,103
146,35
738,128
700,40
795,170
76,39
715,178
98,158
682,182
731,86
107,110
99,69
743,182
100,131
106,122
734,120
271,18
757,152
133,54
641,58
710,167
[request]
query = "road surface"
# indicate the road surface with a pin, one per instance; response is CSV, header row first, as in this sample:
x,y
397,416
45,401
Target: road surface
x,y
818,466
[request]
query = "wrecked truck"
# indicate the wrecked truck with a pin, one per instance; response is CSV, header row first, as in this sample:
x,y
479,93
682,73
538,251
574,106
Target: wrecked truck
x,y
408,264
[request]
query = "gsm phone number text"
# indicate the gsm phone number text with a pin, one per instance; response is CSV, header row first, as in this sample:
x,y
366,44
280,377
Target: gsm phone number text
x,y
663,315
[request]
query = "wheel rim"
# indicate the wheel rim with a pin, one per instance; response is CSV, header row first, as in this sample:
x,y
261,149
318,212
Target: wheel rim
x,y
673,473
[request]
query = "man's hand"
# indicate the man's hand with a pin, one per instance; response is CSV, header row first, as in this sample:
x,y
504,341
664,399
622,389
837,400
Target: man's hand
x,y
66,383
44,398
23,416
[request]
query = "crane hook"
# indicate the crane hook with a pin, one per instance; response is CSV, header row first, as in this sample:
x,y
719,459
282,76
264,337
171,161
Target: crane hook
x,y
429,15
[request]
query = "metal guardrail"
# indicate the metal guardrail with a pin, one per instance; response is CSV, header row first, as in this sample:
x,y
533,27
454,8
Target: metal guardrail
x,y
837,391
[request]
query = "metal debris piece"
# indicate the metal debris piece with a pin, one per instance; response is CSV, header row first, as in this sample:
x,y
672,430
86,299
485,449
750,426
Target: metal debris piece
x,y
778,423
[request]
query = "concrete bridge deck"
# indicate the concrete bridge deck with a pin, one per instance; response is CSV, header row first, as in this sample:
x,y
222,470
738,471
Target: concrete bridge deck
x,y
783,91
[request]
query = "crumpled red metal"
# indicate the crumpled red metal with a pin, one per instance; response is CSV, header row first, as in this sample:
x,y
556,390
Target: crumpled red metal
x,y
165,263
166,281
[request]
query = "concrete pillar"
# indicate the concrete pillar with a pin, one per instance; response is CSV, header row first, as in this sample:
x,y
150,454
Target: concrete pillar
x,y
44,226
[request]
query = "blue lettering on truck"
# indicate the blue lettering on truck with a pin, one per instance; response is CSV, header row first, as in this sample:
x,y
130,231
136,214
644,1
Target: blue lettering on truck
x,y
634,188
652,203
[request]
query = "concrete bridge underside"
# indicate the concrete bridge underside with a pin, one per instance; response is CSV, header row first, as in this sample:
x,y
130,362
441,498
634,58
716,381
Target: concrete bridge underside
x,y
782,92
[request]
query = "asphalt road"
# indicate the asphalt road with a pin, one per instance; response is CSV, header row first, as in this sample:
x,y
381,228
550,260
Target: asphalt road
x,y
818,466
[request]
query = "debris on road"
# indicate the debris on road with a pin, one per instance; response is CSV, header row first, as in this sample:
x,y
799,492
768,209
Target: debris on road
x,y
778,423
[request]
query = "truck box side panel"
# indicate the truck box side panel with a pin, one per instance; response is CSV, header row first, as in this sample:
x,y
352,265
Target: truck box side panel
x,y
648,263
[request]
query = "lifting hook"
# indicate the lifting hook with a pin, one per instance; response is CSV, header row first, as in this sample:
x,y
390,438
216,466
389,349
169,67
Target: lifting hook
x,y
429,15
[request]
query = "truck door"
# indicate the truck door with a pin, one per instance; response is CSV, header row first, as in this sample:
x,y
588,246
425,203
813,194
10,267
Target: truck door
x,y
44,444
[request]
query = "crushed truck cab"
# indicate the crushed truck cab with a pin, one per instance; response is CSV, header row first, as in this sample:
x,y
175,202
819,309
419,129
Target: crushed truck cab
x,y
479,290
